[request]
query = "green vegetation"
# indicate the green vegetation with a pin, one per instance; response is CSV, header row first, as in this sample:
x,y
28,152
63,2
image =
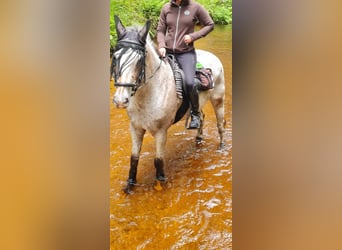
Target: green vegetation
x,y
138,11
219,10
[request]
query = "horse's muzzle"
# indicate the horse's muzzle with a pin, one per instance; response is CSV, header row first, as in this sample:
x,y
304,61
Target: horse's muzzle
x,y
120,104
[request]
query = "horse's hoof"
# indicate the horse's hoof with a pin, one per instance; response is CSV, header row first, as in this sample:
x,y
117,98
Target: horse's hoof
x,y
221,146
199,139
160,183
130,186
128,189
157,186
161,178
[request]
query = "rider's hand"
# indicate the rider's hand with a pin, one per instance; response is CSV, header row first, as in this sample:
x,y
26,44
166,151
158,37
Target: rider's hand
x,y
187,39
162,52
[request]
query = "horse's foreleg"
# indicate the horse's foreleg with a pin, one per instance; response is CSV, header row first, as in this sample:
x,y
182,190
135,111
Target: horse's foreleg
x,y
132,176
137,139
159,165
160,138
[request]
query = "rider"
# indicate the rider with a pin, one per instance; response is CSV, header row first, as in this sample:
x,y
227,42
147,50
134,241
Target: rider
x,y
176,35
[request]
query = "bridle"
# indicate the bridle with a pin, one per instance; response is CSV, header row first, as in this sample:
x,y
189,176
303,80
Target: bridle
x,y
118,67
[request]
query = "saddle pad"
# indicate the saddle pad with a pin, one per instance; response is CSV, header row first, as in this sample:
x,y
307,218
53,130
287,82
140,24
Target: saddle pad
x,y
178,75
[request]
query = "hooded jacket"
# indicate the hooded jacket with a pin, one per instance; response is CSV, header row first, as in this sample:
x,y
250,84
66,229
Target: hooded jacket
x,y
177,21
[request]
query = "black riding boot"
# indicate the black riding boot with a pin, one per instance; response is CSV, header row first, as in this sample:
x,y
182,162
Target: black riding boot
x,y
195,114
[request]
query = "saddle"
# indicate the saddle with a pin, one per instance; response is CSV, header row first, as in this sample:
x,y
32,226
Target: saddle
x,y
205,77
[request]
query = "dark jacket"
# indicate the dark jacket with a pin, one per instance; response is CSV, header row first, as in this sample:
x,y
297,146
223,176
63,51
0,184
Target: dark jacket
x,y
177,21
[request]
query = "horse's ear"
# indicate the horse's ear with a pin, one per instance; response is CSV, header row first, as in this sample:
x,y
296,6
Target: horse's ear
x,y
120,29
144,31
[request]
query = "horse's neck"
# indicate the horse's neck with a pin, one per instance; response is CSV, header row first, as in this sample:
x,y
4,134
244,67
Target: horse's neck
x,y
158,92
155,66
158,77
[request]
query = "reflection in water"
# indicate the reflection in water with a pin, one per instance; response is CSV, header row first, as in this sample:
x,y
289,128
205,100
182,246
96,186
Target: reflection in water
x,y
194,210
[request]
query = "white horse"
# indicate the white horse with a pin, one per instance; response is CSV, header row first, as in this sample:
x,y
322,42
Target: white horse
x,y
145,86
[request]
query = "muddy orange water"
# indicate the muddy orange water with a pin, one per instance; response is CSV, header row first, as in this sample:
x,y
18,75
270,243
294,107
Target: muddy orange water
x,y
194,210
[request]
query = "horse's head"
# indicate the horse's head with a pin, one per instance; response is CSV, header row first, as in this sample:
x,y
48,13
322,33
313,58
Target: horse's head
x,y
128,64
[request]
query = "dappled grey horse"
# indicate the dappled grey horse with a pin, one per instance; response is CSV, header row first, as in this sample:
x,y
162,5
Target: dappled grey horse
x,y
145,86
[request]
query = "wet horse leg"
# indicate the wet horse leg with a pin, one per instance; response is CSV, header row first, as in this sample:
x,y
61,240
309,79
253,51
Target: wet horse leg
x,y
137,139
199,136
160,139
218,105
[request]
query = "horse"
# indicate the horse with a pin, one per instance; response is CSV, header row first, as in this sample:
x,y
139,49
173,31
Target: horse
x,y
145,86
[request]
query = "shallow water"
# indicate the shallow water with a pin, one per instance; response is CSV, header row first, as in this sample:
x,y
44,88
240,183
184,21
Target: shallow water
x,y
194,209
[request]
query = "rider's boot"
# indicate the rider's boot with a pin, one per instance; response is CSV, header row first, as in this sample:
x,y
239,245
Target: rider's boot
x,y
195,115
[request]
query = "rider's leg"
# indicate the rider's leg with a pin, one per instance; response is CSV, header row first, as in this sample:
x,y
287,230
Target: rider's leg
x,y
187,62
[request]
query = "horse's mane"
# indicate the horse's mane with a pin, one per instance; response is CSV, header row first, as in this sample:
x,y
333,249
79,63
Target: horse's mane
x,y
134,27
152,44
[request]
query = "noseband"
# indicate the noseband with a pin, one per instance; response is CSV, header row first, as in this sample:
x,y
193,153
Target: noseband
x,y
119,67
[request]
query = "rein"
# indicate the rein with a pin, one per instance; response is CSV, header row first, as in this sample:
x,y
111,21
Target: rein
x,y
155,71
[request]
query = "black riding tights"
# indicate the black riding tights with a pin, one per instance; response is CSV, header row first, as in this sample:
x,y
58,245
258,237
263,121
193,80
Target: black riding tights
x,y
187,62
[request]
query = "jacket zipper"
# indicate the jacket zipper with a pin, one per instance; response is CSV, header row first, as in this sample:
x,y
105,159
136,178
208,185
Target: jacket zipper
x,y
177,23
